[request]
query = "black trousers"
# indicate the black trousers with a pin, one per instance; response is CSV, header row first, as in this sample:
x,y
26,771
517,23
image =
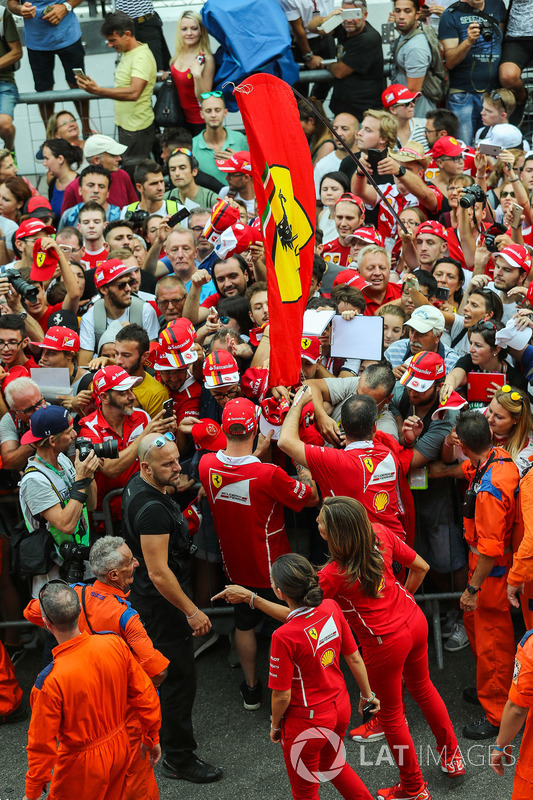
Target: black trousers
x,y
150,32
170,633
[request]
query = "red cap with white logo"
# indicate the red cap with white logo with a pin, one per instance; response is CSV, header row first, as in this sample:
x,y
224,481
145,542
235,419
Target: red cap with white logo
x,y
114,378
60,338
240,411
175,349
111,270
424,369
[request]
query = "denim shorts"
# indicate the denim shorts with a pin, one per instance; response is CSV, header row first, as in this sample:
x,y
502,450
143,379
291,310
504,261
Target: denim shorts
x,y
9,96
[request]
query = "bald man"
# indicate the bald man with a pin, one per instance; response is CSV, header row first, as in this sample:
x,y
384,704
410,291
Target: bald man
x,y
161,594
346,125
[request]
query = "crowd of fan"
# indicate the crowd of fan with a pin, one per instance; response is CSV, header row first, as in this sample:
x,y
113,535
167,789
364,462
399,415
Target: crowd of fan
x,y
147,287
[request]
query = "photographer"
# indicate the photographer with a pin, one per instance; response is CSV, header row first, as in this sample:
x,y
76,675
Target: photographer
x,y
52,488
488,514
472,52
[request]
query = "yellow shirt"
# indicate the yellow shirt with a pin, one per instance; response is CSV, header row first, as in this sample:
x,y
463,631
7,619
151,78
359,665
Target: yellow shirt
x,y
135,115
150,395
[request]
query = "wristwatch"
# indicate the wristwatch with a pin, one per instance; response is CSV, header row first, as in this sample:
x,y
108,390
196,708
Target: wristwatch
x,y
471,589
68,7
401,171
307,57
23,314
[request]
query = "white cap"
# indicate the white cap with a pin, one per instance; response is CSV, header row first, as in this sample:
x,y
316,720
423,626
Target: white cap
x,y
425,318
504,135
99,143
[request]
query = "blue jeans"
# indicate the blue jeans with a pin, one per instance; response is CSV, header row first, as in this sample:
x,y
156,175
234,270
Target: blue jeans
x,y
467,108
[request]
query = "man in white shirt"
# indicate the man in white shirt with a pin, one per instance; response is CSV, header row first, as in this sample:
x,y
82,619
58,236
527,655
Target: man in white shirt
x,y
346,126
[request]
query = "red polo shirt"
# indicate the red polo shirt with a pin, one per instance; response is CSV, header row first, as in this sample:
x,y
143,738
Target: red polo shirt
x,y
393,292
96,428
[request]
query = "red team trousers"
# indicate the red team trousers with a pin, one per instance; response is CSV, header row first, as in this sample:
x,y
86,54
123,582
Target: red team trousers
x,y
404,653
319,755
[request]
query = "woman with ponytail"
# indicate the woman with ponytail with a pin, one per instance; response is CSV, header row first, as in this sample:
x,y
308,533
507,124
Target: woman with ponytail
x,y
392,631
308,687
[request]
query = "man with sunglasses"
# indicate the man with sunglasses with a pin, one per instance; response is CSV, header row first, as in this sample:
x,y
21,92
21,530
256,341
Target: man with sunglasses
x,y
117,417
158,535
81,701
113,281
23,398
215,141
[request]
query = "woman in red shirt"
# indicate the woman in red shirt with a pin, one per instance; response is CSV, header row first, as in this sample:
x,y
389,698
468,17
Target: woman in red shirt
x,y
192,67
391,629
308,688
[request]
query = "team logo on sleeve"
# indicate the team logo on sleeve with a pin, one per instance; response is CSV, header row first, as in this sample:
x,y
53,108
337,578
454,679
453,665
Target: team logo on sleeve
x,y
217,480
327,658
516,670
322,632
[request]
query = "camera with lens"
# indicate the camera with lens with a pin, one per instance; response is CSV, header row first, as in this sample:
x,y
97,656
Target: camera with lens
x,y
107,449
469,504
486,30
472,194
490,236
138,217
73,568
28,291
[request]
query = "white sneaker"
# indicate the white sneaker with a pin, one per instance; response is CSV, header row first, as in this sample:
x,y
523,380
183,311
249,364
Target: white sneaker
x,y
458,639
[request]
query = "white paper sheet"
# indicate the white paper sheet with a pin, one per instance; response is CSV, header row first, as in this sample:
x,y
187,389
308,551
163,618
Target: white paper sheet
x,y
360,337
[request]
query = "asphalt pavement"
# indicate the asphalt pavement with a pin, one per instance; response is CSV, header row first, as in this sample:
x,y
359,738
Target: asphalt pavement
x,y
238,740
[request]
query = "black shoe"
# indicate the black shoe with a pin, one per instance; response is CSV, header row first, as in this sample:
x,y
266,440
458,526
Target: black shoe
x,y
480,729
470,695
251,695
17,715
517,116
195,771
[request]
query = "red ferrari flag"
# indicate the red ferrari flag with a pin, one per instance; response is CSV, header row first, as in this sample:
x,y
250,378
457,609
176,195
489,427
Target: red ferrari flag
x,y
284,189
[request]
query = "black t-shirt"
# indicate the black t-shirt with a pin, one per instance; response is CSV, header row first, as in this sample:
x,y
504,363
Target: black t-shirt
x,y
362,89
148,512
513,376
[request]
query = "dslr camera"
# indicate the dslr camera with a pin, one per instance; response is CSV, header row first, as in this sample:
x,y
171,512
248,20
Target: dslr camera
x,y
472,194
107,449
491,234
73,568
486,30
26,290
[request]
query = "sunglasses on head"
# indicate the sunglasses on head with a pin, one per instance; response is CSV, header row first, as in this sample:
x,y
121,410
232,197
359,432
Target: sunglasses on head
x,y
497,96
161,441
205,95
516,396
181,150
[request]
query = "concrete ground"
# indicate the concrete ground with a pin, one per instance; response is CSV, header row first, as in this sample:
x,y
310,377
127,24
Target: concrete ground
x,y
238,740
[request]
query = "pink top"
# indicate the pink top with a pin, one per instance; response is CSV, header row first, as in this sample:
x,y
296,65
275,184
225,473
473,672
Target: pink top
x,y
184,83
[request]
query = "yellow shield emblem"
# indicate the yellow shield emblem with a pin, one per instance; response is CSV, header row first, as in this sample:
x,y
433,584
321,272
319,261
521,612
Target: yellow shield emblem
x,y
369,464
305,343
217,480
313,634
40,259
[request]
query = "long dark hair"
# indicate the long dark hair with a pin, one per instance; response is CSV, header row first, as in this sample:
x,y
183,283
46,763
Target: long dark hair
x,y
60,147
352,542
297,578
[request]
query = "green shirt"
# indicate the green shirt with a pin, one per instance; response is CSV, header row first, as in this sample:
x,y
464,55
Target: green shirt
x,y
205,198
10,34
206,157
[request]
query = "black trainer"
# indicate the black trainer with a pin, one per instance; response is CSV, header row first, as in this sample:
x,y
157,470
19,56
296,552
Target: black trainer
x,y
480,729
195,771
17,715
470,695
251,695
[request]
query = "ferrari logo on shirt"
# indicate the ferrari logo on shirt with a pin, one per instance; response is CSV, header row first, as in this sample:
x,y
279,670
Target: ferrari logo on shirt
x,y
328,656
217,480
369,464
322,632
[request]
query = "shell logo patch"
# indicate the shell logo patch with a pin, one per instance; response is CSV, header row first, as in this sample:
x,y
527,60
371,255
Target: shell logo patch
x,y
327,657
40,258
217,480
381,501
313,634
306,343
369,464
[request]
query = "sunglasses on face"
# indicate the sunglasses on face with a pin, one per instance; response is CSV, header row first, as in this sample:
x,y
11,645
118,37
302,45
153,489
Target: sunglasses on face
x,y
121,285
30,410
507,194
